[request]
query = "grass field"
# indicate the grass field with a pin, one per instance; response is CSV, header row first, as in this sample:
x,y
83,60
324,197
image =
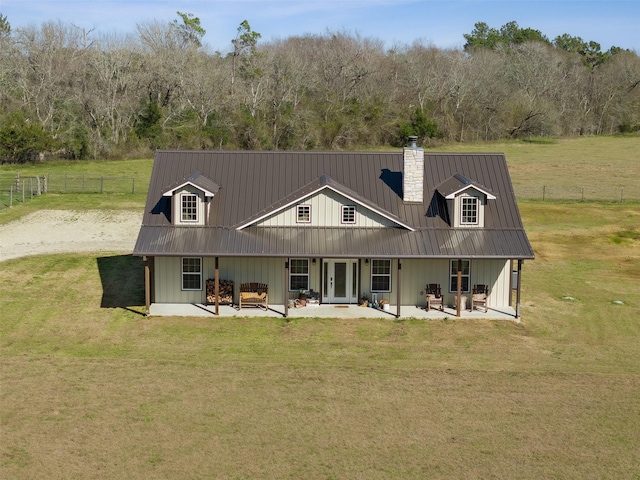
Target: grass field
x,y
93,389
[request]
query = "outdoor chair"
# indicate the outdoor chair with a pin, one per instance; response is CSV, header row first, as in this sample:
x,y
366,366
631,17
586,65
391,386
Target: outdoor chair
x,y
479,297
433,295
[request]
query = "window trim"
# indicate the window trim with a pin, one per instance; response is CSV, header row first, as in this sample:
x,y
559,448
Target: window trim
x,y
183,197
453,276
298,274
184,274
346,209
467,199
298,213
388,275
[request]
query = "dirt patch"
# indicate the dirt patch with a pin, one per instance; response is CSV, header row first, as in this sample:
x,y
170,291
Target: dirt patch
x,y
62,231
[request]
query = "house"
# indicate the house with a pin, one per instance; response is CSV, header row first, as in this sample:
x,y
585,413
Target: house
x,y
341,224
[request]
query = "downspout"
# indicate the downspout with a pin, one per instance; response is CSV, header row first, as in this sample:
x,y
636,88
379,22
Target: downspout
x,y
398,289
459,293
216,286
286,288
147,285
518,289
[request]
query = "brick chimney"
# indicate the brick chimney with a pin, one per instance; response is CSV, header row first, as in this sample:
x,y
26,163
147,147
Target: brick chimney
x,y
413,172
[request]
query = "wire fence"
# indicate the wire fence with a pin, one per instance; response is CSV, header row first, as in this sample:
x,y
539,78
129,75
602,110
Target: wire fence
x,y
17,189
64,183
583,193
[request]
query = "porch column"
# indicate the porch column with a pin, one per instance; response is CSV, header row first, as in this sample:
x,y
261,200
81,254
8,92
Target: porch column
x,y
216,285
459,293
286,288
147,285
398,289
518,289
321,268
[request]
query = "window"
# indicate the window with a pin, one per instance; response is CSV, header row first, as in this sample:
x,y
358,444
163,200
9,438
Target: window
x,y
453,284
380,275
191,273
299,274
469,211
348,214
303,213
189,207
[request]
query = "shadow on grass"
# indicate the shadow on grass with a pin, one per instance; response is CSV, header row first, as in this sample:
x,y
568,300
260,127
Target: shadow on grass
x,y
122,278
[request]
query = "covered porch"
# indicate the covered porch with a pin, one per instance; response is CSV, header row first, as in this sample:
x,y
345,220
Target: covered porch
x,y
327,311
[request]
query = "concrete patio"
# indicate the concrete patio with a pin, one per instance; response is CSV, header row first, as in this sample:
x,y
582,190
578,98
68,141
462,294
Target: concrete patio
x,y
326,311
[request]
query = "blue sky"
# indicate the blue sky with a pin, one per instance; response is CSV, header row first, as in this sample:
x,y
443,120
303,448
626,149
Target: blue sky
x,y
441,23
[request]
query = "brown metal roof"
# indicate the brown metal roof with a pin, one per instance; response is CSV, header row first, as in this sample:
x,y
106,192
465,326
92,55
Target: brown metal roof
x,y
331,242
252,182
458,183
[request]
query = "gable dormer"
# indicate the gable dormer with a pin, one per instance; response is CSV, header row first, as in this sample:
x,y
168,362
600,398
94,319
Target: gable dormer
x,y
466,201
191,199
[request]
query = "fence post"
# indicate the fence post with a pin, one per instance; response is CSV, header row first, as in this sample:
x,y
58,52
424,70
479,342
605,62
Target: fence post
x,y
621,194
582,194
31,187
544,191
39,186
133,185
44,183
23,185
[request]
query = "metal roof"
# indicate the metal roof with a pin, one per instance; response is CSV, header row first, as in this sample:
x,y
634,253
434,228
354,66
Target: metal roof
x,y
196,179
332,242
255,182
458,183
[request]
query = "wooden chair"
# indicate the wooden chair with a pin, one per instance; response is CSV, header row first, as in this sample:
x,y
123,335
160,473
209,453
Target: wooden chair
x,y
433,295
254,294
479,297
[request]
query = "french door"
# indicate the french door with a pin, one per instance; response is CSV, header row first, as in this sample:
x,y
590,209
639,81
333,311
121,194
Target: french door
x,y
339,281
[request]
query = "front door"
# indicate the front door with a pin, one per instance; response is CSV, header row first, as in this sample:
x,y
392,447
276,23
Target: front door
x,y
339,281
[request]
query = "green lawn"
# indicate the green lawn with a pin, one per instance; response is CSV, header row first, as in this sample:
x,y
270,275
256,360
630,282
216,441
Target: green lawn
x,y
90,388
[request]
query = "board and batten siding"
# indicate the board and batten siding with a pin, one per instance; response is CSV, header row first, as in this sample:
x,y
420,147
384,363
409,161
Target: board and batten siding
x,y
176,205
326,211
455,206
168,277
415,275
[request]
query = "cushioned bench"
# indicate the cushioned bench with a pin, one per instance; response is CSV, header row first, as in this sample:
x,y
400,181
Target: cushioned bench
x,y
254,295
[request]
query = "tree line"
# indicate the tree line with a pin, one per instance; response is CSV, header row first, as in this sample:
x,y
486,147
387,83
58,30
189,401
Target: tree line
x,y
68,92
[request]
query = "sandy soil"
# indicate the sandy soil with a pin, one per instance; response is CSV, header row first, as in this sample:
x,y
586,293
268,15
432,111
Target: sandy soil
x,y
59,231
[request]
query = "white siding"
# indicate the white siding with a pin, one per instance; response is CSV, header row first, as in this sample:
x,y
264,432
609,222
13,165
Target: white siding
x,y
326,212
457,207
415,275
168,282
176,205
239,269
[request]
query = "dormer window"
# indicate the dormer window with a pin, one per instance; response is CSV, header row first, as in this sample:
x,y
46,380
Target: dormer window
x,y
466,201
191,199
189,207
303,213
349,214
469,211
